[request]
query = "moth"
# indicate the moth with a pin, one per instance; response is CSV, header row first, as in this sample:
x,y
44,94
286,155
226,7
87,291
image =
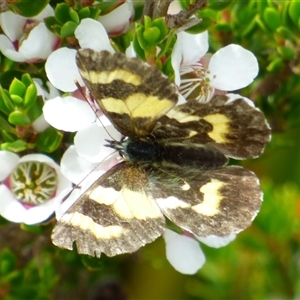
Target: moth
x,y
174,162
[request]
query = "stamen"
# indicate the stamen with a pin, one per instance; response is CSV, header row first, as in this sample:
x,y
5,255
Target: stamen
x,y
33,183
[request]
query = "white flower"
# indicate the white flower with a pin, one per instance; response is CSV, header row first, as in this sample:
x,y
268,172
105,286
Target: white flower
x,y
26,40
230,68
32,187
184,252
118,20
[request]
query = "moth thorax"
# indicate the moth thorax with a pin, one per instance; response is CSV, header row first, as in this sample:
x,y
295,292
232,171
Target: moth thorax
x,y
141,151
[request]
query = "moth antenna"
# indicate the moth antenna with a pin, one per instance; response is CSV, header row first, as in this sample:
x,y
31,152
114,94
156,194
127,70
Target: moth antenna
x,y
85,97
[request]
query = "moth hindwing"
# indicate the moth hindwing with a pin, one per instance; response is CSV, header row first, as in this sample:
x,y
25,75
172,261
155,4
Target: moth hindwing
x,y
174,162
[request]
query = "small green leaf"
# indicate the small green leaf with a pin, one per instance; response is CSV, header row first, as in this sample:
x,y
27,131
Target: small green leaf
x,y
18,101
84,13
27,80
286,53
18,118
30,97
272,18
139,35
294,11
68,29
25,9
50,22
218,4
151,35
6,104
137,48
4,125
287,34
275,65
73,15
16,146
161,25
49,140
62,13
94,12
17,87
7,262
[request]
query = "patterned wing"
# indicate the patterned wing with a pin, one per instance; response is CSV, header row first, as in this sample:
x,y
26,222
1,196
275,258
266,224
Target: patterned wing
x,y
115,215
234,128
213,202
132,94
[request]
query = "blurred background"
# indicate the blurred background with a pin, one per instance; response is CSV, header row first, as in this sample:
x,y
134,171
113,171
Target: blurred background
x,y
264,260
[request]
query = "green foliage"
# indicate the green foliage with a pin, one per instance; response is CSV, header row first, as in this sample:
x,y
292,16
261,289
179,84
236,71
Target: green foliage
x,y
22,8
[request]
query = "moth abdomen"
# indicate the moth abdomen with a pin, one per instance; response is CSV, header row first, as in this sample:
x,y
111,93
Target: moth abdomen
x,y
193,155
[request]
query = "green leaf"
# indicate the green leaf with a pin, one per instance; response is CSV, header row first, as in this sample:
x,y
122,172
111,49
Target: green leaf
x,y
73,15
294,11
7,262
139,35
275,65
18,101
218,4
50,22
84,13
272,18
286,53
62,13
30,97
68,29
151,35
18,118
25,9
27,80
16,146
287,34
17,87
6,105
49,140
4,125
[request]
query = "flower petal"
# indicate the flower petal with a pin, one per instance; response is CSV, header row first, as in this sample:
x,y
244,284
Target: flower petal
x,y
43,41
39,213
188,49
62,70
91,34
232,68
8,49
89,142
12,25
217,241
183,252
117,20
8,162
10,208
68,114
75,167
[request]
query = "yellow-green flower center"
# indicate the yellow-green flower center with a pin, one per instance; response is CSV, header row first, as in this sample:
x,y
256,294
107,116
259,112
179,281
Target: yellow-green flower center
x,y
33,182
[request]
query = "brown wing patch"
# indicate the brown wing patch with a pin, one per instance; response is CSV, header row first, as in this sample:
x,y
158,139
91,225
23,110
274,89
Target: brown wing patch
x,y
236,129
132,94
115,215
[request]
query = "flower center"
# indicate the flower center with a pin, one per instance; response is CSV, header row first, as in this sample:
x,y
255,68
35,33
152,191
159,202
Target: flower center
x,y
33,182
195,84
